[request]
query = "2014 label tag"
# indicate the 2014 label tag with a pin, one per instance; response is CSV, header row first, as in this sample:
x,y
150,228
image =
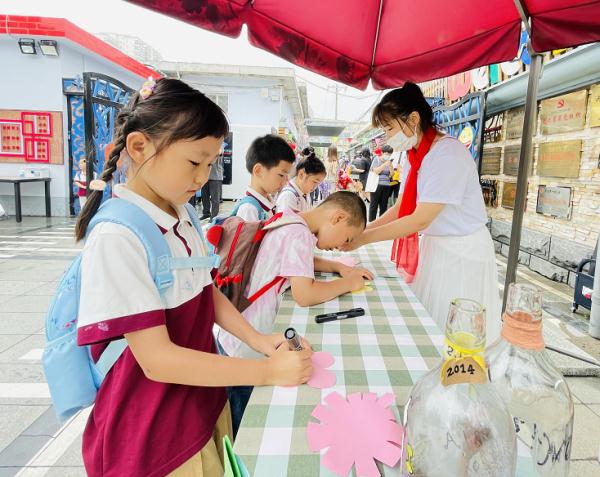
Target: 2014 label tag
x,y
463,370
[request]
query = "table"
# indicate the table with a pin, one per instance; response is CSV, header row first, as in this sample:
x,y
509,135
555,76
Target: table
x,y
17,181
386,350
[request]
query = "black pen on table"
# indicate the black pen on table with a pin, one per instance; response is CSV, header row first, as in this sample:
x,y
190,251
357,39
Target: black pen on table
x,y
340,315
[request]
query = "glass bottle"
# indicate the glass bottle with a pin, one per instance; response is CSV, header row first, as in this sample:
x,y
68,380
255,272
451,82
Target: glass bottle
x,y
535,391
455,422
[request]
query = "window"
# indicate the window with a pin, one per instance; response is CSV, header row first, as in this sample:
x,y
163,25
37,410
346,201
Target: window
x,y
220,99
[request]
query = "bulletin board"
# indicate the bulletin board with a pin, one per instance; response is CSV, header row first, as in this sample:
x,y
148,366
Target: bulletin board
x,y
31,137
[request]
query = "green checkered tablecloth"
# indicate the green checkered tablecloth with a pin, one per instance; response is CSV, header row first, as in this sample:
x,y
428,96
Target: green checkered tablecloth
x,y
386,350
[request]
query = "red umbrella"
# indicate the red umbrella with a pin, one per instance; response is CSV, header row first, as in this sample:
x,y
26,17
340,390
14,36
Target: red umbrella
x,y
391,41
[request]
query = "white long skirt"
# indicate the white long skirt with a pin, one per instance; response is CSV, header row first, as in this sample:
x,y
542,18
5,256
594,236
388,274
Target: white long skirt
x,y
459,267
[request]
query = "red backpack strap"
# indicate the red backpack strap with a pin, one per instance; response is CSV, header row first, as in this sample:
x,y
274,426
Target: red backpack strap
x,y
266,288
260,233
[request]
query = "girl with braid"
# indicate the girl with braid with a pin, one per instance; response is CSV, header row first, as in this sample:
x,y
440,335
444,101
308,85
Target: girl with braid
x,y
162,408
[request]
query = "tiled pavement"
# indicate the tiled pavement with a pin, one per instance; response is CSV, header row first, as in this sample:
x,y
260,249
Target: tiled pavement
x,y
33,256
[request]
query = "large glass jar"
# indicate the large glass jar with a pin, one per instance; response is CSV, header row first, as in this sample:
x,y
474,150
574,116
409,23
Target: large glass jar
x,y
535,392
455,422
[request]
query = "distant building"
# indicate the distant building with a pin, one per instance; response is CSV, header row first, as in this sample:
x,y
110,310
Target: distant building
x,y
42,119
132,46
257,100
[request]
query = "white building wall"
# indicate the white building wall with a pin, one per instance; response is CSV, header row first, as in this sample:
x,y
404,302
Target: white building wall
x,y
254,110
34,82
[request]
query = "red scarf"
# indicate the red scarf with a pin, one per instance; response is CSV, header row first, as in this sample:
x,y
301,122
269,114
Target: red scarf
x,y
405,250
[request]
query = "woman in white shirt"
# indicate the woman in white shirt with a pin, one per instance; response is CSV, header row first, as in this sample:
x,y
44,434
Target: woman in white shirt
x,y
441,199
310,172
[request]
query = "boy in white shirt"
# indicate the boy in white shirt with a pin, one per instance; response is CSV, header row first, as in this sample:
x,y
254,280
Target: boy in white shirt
x,y
287,253
269,160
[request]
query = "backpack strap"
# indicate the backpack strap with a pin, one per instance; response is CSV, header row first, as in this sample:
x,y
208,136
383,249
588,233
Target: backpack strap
x,y
275,222
248,199
212,259
127,214
109,357
277,280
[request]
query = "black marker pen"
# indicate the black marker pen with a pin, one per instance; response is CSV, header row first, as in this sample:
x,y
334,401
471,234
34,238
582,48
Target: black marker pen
x,y
340,315
292,338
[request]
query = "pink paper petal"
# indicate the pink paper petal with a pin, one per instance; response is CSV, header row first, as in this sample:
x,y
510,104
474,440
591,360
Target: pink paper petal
x,y
356,431
321,378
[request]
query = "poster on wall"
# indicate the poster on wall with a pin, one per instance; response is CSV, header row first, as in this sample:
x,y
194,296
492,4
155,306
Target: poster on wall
x,y
514,123
511,160
31,137
595,106
564,113
228,159
559,159
554,201
509,193
490,162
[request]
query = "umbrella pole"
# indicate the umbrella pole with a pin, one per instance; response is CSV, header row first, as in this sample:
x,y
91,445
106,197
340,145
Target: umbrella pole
x,y
525,160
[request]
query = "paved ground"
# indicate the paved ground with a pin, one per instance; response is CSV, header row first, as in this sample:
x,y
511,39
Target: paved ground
x,y
33,256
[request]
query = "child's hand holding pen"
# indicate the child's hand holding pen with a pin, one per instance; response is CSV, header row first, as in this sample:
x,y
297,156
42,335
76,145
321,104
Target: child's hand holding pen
x,y
290,364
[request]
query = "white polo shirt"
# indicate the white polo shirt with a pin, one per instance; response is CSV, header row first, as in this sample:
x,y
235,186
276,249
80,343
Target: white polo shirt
x,y
448,175
249,213
291,197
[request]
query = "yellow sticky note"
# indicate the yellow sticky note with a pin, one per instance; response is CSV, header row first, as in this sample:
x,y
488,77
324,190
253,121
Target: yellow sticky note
x,y
365,289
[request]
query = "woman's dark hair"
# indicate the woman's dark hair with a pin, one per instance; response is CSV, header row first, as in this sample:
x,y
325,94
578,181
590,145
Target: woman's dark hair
x,y
399,103
269,151
387,149
310,163
366,153
173,112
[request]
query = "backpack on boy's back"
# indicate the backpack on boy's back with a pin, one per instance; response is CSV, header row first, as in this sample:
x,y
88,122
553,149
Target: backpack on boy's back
x,y
237,243
72,375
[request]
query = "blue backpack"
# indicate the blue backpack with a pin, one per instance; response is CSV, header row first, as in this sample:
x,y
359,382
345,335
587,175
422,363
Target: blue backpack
x,y
73,377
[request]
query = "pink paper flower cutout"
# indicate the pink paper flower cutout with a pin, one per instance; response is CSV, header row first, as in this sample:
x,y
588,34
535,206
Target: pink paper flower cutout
x,y
356,431
321,378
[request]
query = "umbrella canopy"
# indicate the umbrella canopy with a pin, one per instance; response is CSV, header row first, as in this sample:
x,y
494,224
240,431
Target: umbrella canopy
x,y
391,41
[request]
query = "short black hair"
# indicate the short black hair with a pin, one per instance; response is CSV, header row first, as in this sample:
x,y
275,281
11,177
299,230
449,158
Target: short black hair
x,y
387,149
269,150
350,203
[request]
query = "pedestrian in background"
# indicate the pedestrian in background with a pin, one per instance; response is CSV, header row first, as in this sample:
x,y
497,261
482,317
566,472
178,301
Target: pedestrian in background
x,y
212,191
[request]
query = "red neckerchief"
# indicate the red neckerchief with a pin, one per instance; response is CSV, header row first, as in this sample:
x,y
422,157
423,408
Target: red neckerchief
x,y
405,250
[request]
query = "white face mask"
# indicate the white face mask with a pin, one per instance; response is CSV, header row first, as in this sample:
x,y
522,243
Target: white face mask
x,y
401,142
